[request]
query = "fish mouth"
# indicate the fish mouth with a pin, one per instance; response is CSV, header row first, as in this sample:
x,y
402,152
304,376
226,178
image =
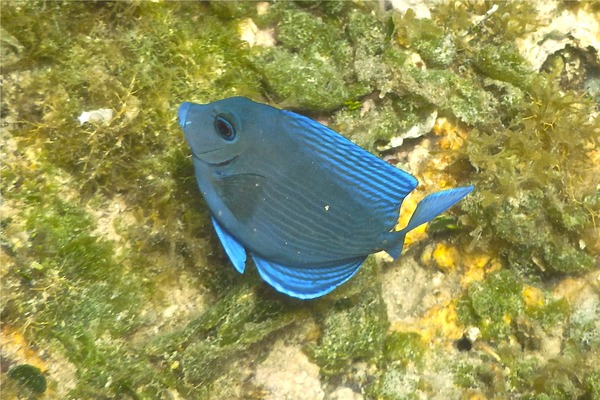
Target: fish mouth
x,y
224,163
215,164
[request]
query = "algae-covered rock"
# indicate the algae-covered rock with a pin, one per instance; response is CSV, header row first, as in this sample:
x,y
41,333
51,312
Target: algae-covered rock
x,y
430,40
109,261
318,83
29,376
492,304
353,327
209,345
312,68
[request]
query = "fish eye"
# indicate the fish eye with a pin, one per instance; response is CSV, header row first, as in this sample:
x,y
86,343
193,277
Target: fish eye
x,y
224,128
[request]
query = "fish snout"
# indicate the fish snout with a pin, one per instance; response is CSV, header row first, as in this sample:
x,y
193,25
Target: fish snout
x,y
182,113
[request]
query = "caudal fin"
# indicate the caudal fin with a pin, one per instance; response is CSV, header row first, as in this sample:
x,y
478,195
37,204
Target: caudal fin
x,y
435,204
427,209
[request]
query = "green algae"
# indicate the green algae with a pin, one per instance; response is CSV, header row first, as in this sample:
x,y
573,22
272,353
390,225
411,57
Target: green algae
x,y
505,64
527,377
489,304
29,376
309,69
527,222
537,125
325,88
70,290
353,326
498,308
435,46
451,93
210,344
372,128
402,356
403,348
71,293
397,385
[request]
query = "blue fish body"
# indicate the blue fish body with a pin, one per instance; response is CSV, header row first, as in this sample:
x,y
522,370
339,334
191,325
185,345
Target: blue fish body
x,y
307,204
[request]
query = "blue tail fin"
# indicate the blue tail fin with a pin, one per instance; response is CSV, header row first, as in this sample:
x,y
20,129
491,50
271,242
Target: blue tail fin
x,y
427,209
435,204
397,249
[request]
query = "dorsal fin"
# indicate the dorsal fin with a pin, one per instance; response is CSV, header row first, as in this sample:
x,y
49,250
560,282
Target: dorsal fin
x,y
380,184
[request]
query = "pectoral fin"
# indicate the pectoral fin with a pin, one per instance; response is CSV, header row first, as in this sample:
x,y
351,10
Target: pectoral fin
x,y
241,193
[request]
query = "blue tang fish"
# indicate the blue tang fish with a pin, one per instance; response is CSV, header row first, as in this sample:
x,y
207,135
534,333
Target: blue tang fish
x,y
307,204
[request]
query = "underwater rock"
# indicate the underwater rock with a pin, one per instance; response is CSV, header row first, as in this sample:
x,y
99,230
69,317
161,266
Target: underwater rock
x,y
421,128
101,116
250,33
345,393
288,374
578,28
420,7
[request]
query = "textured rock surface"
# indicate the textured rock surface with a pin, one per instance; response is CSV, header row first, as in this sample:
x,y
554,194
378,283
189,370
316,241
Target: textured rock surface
x,y
114,284
287,374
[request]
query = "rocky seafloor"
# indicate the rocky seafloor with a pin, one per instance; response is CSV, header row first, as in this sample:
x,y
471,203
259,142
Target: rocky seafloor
x,y
114,285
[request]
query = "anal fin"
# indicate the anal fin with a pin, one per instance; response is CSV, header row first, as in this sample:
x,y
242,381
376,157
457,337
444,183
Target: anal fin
x,y
306,282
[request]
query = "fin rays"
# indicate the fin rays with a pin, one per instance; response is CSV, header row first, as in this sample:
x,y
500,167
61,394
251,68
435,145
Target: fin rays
x,y
306,283
375,175
427,209
235,251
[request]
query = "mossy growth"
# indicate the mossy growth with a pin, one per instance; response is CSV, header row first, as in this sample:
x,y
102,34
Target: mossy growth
x,y
115,65
403,348
504,63
29,377
230,330
592,384
529,203
497,306
311,68
395,384
73,289
69,291
391,115
399,367
536,185
354,324
94,298
433,43
529,377
492,304
514,330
